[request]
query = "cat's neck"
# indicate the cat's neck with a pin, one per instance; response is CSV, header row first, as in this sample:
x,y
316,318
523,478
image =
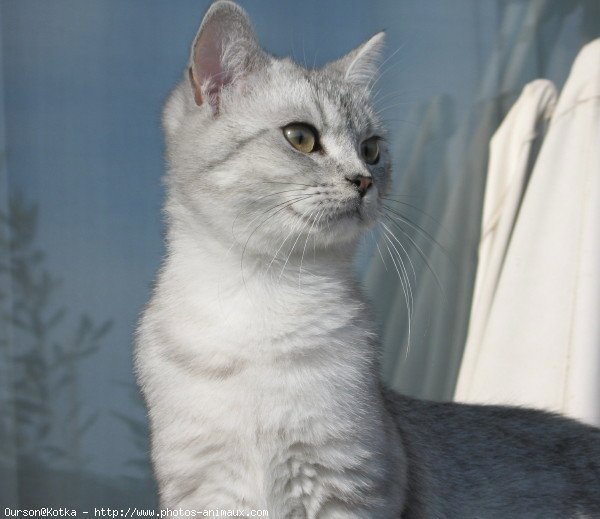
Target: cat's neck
x,y
223,268
257,310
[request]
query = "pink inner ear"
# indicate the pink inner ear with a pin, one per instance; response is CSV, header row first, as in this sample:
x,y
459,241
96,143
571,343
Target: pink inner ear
x,y
207,68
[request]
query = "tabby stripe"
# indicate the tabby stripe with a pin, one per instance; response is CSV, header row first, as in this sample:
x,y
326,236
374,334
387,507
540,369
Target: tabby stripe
x,y
238,147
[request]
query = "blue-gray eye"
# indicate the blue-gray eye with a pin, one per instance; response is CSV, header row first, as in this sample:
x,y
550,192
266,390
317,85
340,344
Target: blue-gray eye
x,y
369,149
301,136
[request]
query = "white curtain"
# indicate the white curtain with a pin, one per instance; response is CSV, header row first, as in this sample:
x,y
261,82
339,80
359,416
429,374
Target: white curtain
x,y
534,334
513,150
440,162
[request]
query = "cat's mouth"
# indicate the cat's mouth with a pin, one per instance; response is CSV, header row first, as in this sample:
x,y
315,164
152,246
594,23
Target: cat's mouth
x,y
327,216
353,212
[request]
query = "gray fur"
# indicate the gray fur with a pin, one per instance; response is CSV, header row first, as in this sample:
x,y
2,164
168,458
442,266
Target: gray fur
x,y
470,461
256,354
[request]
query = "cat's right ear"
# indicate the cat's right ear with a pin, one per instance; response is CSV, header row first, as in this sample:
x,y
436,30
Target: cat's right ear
x,y
224,51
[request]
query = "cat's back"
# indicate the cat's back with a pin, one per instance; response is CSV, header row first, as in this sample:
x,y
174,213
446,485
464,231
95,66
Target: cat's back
x,y
473,461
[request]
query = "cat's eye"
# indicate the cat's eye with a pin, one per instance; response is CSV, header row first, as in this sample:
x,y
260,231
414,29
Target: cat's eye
x,y
302,136
369,149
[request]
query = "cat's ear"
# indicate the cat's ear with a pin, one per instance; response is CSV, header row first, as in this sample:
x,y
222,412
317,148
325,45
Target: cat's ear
x,y
224,50
360,65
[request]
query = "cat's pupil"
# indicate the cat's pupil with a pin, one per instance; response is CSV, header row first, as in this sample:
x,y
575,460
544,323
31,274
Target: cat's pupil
x,y
301,136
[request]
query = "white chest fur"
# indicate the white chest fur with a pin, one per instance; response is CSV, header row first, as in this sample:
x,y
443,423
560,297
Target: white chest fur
x,y
262,390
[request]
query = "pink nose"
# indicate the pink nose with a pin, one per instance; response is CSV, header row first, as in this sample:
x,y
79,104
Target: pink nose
x,y
361,183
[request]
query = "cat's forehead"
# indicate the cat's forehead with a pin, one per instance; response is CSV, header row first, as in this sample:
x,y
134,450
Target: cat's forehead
x,y
336,104
342,102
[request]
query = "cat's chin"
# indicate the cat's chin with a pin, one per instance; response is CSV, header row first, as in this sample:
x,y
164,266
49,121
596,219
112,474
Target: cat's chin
x,y
345,227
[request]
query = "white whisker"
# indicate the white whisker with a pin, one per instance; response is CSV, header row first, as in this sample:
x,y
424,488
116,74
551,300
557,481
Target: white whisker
x,y
405,297
295,242
403,249
406,278
304,248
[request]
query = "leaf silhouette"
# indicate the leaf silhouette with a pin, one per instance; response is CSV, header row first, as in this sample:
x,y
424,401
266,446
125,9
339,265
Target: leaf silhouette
x,y
51,418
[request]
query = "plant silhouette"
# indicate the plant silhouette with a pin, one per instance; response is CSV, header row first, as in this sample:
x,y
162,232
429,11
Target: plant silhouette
x,y
44,351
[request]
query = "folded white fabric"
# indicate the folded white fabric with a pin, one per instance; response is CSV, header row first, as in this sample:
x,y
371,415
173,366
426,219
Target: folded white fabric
x,y
534,334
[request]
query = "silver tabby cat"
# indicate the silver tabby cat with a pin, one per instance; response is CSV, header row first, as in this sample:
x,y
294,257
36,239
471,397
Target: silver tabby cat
x,y
256,354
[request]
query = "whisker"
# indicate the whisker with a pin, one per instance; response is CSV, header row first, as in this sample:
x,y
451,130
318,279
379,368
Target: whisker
x,y
315,240
392,103
394,197
395,94
287,204
410,301
375,240
408,313
256,201
304,248
304,54
377,76
281,246
293,198
417,125
278,193
403,249
393,120
404,219
381,256
419,210
287,183
423,257
294,245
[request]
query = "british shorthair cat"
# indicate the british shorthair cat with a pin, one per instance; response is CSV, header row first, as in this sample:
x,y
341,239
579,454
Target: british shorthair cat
x,y
256,354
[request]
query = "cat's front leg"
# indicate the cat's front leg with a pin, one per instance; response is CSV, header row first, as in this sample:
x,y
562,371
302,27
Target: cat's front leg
x,y
212,499
208,478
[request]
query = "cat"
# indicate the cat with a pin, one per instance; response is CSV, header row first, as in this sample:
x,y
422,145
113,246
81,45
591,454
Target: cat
x,y
256,354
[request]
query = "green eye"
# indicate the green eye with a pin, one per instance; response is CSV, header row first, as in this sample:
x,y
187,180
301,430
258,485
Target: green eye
x,y
303,137
369,150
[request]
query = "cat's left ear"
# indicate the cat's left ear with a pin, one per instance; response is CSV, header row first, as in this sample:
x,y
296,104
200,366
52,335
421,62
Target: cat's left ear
x,y
225,49
360,65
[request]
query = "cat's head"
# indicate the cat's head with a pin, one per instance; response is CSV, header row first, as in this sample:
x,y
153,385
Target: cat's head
x,y
268,153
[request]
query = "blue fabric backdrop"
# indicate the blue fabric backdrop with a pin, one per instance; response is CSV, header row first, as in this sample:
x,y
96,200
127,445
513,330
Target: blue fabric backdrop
x,y
81,156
